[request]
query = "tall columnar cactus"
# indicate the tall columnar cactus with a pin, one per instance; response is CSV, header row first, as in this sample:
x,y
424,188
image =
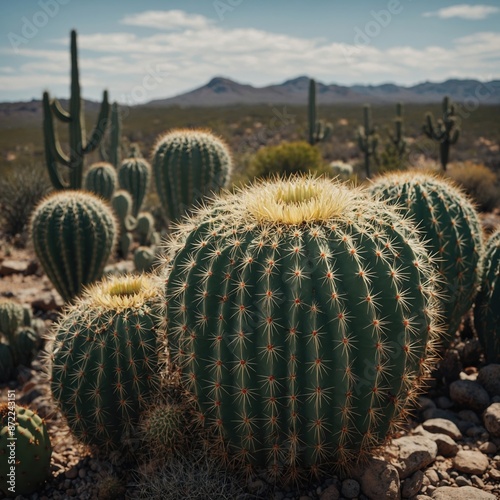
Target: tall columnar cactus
x,y
78,144
73,234
318,129
101,179
368,139
104,359
134,176
446,131
398,141
31,450
487,306
452,229
189,165
113,154
302,316
12,316
122,205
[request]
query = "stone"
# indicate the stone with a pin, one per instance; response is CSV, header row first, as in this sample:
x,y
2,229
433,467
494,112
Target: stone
x,y
463,493
424,403
11,266
442,426
462,481
378,479
488,448
446,445
350,488
71,473
489,378
331,493
491,419
470,462
412,484
432,476
440,413
469,394
444,403
469,416
414,453
47,301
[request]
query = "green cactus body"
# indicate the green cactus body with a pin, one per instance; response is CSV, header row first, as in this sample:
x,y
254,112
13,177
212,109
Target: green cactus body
x,y
302,316
122,206
487,306
73,234
105,358
145,228
12,317
318,130
101,179
7,365
32,450
189,165
368,139
134,176
144,259
24,346
452,230
111,153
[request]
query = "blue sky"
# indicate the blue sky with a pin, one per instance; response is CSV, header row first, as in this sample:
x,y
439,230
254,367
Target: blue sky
x,y
148,49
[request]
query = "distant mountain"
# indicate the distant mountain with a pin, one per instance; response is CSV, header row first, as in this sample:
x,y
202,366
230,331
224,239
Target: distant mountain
x,y
222,91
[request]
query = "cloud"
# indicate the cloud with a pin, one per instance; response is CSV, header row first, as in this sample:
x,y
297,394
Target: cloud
x,y
166,20
464,11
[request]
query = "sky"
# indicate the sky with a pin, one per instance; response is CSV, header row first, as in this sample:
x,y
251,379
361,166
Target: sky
x,y
150,49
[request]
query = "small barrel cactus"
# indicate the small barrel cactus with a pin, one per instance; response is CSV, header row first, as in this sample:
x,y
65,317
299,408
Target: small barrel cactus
x,y
302,317
145,228
25,462
73,234
12,317
144,259
101,179
122,205
104,359
189,165
487,306
7,365
452,231
24,346
134,176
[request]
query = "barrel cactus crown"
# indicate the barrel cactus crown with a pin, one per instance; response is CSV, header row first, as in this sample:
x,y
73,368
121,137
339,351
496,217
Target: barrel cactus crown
x,y
302,316
452,229
486,309
101,179
73,234
31,452
189,165
104,359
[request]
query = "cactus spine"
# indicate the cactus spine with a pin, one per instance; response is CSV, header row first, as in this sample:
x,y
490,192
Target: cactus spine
x,y
302,315
318,129
113,156
75,118
486,309
32,450
452,229
73,235
104,359
101,179
134,176
368,139
445,131
189,165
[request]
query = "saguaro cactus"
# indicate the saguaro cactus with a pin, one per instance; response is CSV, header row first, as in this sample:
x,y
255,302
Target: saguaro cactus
x,y
398,140
446,131
112,153
75,118
318,129
368,139
302,315
189,165
73,234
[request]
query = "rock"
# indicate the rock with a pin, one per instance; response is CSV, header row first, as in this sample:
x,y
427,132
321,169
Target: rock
x,y
471,352
350,488
425,403
331,493
442,426
47,301
412,484
444,403
489,378
488,448
491,419
432,476
414,453
11,266
446,445
439,413
463,493
469,416
469,394
470,462
462,481
71,473
378,479
450,366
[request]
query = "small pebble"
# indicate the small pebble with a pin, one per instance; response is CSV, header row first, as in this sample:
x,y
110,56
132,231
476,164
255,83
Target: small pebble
x,y
350,488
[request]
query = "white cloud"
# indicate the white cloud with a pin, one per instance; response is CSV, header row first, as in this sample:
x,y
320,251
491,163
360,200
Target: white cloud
x,y
464,11
166,20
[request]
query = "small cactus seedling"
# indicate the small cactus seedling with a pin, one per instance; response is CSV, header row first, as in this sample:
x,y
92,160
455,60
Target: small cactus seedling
x,y
452,229
189,165
487,306
101,180
302,316
25,440
73,234
104,359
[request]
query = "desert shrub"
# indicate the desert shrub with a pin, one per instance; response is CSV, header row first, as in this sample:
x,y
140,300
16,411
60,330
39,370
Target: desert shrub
x,y
20,191
479,182
286,159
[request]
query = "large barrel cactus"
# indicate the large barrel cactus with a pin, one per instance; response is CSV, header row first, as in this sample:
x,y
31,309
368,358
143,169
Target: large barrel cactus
x,y
28,455
189,165
487,306
451,228
73,234
302,317
101,179
104,359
